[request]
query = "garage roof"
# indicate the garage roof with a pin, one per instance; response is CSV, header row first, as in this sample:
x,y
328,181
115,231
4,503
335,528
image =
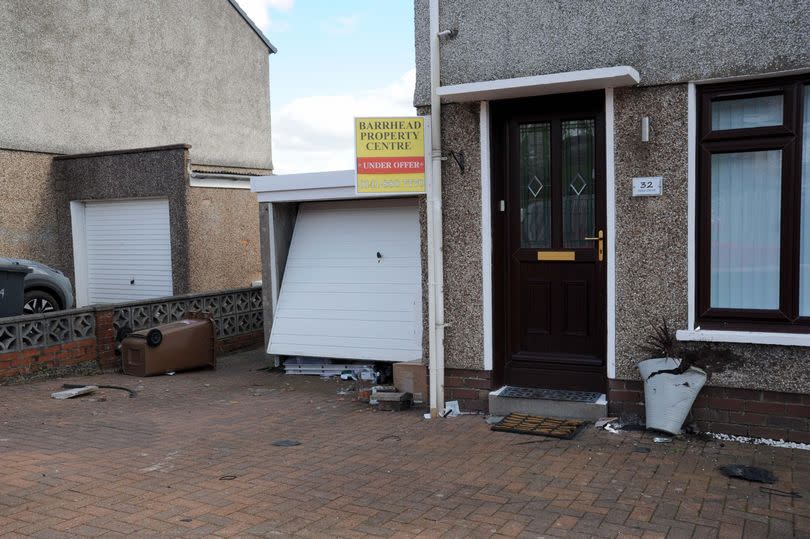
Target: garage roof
x,y
332,185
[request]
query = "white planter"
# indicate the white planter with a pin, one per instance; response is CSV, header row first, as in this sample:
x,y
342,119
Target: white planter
x,y
669,397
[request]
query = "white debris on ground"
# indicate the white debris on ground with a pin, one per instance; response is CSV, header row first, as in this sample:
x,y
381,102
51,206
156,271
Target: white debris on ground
x,y
610,428
758,441
616,428
73,392
451,409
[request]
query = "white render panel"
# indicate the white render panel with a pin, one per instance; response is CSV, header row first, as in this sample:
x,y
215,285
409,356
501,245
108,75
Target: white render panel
x,y
126,241
338,299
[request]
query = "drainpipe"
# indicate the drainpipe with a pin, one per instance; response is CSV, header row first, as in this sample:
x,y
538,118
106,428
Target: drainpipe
x,y
434,232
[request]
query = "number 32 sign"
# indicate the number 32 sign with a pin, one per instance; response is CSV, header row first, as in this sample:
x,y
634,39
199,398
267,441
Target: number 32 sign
x,y
648,186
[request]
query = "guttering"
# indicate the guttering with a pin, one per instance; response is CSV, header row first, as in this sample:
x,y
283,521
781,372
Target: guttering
x,y
434,225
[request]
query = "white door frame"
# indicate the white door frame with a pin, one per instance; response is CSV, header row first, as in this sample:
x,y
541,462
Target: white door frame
x,y
78,232
486,233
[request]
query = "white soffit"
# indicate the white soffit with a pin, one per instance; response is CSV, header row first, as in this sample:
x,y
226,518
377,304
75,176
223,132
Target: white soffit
x,y
219,183
333,185
554,83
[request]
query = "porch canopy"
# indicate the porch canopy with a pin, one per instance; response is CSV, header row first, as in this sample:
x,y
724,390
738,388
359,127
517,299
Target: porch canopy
x,y
554,83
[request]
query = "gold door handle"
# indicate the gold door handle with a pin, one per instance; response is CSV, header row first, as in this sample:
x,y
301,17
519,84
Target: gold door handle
x,y
601,247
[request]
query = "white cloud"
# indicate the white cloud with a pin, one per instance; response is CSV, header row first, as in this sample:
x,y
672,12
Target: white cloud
x,y
341,26
258,10
316,133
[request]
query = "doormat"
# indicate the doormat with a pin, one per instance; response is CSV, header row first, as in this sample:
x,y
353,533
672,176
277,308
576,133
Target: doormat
x,y
564,429
549,394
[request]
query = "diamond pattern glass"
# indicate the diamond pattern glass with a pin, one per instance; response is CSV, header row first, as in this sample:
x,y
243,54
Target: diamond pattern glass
x,y
579,181
535,194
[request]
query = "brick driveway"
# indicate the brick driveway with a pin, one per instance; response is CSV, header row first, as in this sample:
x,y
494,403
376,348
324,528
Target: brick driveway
x,y
154,465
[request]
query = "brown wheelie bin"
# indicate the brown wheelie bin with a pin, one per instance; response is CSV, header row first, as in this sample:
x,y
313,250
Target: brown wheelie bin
x,y
176,346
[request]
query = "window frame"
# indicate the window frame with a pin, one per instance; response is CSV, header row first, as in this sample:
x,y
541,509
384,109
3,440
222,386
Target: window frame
x,y
787,138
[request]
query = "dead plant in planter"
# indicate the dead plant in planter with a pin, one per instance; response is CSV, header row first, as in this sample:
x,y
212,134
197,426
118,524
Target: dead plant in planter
x,y
671,380
661,342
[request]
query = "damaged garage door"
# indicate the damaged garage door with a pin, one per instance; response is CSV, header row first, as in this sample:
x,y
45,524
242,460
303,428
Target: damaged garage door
x,y
352,287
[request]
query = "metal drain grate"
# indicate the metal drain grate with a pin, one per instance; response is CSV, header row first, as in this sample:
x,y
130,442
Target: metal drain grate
x,y
548,394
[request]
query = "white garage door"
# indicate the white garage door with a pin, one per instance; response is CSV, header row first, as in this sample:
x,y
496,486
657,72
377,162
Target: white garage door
x,y
128,250
352,288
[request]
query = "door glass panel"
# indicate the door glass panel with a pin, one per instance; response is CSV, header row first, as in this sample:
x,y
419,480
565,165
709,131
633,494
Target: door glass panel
x,y
747,112
578,183
804,263
746,190
535,186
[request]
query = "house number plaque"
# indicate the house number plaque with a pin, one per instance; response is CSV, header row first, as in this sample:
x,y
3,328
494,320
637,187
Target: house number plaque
x,y
650,186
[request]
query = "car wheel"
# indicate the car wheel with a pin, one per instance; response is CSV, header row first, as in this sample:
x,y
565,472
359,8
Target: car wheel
x,y
39,301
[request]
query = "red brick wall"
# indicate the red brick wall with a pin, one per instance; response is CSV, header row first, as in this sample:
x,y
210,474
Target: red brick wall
x,y
742,412
105,339
33,361
57,359
469,387
238,342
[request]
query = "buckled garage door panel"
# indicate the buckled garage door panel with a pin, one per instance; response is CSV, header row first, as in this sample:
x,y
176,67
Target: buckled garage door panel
x,y
352,287
128,250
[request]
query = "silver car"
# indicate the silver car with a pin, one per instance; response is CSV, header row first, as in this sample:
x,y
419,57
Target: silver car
x,y
46,289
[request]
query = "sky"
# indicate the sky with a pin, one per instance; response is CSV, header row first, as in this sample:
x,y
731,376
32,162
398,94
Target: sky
x,y
337,59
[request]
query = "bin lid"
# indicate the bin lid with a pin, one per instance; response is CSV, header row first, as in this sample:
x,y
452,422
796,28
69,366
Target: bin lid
x,y
172,327
14,268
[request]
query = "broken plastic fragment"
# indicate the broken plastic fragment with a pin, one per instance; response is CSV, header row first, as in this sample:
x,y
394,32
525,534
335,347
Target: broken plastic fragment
x,y
451,409
749,473
286,443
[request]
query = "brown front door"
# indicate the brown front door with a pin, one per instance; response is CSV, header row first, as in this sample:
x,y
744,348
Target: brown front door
x,y
549,164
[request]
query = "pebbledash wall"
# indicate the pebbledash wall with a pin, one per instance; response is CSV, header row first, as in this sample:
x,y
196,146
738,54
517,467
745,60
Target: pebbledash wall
x,y
84,340
670,44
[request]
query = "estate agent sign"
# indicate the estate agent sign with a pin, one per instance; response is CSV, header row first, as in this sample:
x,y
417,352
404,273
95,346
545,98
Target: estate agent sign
x,y
390,155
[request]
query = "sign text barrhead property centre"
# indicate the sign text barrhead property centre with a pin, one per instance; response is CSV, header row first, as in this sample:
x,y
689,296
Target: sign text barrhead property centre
x,y
390,155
